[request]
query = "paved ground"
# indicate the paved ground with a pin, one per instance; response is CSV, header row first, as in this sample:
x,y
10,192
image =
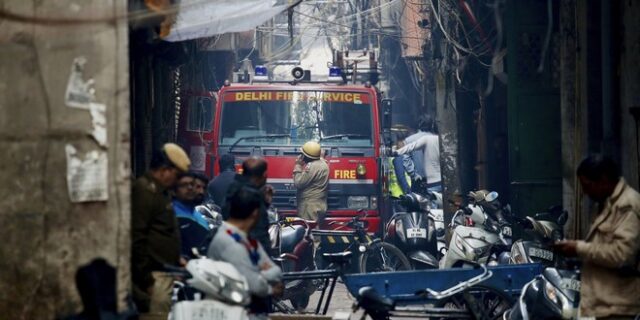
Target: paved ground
x,y
340,306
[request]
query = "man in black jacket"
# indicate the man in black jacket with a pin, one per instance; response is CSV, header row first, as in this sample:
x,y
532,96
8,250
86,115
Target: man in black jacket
x,y
254,173
217,188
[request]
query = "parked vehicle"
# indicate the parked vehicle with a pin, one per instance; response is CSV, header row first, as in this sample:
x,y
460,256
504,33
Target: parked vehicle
x,y
292,248
212,213
212,290
257,116
413,230
555,294
370,254
481,234
545,229
438,294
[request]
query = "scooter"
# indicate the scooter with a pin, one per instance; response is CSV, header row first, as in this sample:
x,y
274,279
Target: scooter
x,y
555,294
413,230
292,249
545,229
221,292
212,213
480,233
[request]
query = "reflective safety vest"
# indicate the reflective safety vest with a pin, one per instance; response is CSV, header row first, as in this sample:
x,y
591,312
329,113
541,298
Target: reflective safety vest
x,y
394,187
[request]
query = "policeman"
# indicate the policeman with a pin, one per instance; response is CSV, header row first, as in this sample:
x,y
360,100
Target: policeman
x,y
311,179
154,231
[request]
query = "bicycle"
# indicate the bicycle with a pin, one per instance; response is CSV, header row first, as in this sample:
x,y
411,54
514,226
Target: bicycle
x,y
371,254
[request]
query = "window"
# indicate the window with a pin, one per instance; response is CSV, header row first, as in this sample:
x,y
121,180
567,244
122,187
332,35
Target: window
x,y
200,114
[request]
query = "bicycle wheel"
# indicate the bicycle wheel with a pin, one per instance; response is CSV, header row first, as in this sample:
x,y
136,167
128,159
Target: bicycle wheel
x,y
383,256
481,302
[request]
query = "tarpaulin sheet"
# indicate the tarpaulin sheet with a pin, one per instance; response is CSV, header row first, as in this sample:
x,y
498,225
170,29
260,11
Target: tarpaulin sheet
x,y
200,19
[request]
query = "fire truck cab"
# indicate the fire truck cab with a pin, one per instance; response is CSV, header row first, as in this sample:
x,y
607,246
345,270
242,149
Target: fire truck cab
x,y
274,119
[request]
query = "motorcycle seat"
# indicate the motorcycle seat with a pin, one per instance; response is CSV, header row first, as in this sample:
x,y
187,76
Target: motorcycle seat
x,y
290,237
373,302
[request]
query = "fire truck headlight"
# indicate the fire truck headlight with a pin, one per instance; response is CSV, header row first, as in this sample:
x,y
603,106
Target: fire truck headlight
x,y
374,202
358,202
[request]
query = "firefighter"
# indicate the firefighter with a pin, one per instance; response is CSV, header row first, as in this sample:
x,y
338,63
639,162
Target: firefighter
x,y
311,179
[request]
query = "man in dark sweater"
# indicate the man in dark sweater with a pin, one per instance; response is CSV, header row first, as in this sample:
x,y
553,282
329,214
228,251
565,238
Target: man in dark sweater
x,y
254,174
217,188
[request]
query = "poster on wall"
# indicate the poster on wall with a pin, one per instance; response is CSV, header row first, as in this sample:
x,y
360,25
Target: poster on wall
x,y
87,178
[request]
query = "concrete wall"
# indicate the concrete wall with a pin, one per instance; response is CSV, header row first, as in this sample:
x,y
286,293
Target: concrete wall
x,y
43,236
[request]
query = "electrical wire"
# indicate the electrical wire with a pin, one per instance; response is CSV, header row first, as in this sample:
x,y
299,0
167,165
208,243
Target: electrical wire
x,y
547,38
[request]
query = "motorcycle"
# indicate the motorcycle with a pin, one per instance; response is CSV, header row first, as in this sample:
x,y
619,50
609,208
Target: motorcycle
x,y
292,249
212,290
413,230
481,234
555,294
545,229
212,213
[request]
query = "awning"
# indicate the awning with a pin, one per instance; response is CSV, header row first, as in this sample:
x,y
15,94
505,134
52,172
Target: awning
x,y
200,19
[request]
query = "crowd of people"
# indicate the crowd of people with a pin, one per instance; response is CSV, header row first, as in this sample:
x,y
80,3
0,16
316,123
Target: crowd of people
x,y
166,225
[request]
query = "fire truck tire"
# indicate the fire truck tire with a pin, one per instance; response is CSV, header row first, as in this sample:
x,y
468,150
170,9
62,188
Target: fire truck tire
x,y
383,256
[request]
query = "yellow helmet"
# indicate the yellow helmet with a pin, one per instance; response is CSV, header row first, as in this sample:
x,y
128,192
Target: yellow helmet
x,y
177,156
311,150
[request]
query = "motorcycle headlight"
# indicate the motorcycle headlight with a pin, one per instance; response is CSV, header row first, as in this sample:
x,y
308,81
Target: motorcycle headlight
x,y
551,292
358,202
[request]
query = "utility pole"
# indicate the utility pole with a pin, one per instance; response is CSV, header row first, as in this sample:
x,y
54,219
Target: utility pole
x,y
446,113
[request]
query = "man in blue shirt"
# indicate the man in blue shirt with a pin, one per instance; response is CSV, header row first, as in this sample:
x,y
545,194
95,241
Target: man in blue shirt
x,y
194,228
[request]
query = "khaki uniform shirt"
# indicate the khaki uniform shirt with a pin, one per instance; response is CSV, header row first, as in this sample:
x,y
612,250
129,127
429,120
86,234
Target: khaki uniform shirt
x,y
610,255
312,183
154,231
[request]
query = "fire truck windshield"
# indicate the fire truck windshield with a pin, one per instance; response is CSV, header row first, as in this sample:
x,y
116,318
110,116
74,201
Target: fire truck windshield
x,y
290,118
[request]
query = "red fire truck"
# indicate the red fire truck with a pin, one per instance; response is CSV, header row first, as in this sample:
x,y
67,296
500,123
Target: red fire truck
x,y
274,119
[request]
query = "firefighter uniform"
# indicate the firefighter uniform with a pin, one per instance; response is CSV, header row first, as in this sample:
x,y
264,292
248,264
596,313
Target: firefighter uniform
x,y
312,183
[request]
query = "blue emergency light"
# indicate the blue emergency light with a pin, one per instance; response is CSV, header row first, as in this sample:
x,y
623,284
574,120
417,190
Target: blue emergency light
x,y
260,73
335,74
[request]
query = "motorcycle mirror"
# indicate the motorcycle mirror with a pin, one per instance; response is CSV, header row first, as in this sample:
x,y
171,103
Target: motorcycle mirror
x,y
491,196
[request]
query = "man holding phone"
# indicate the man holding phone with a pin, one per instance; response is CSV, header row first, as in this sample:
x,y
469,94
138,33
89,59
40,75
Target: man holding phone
x,y
311,179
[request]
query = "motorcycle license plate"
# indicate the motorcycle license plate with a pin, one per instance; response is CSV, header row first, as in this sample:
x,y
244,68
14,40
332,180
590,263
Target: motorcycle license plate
x,y
541,253
570,284
506,231
206,310
417,233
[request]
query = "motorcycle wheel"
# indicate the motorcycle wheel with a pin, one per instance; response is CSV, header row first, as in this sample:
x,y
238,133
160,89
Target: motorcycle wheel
x,y
300,303
383,256
481,302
